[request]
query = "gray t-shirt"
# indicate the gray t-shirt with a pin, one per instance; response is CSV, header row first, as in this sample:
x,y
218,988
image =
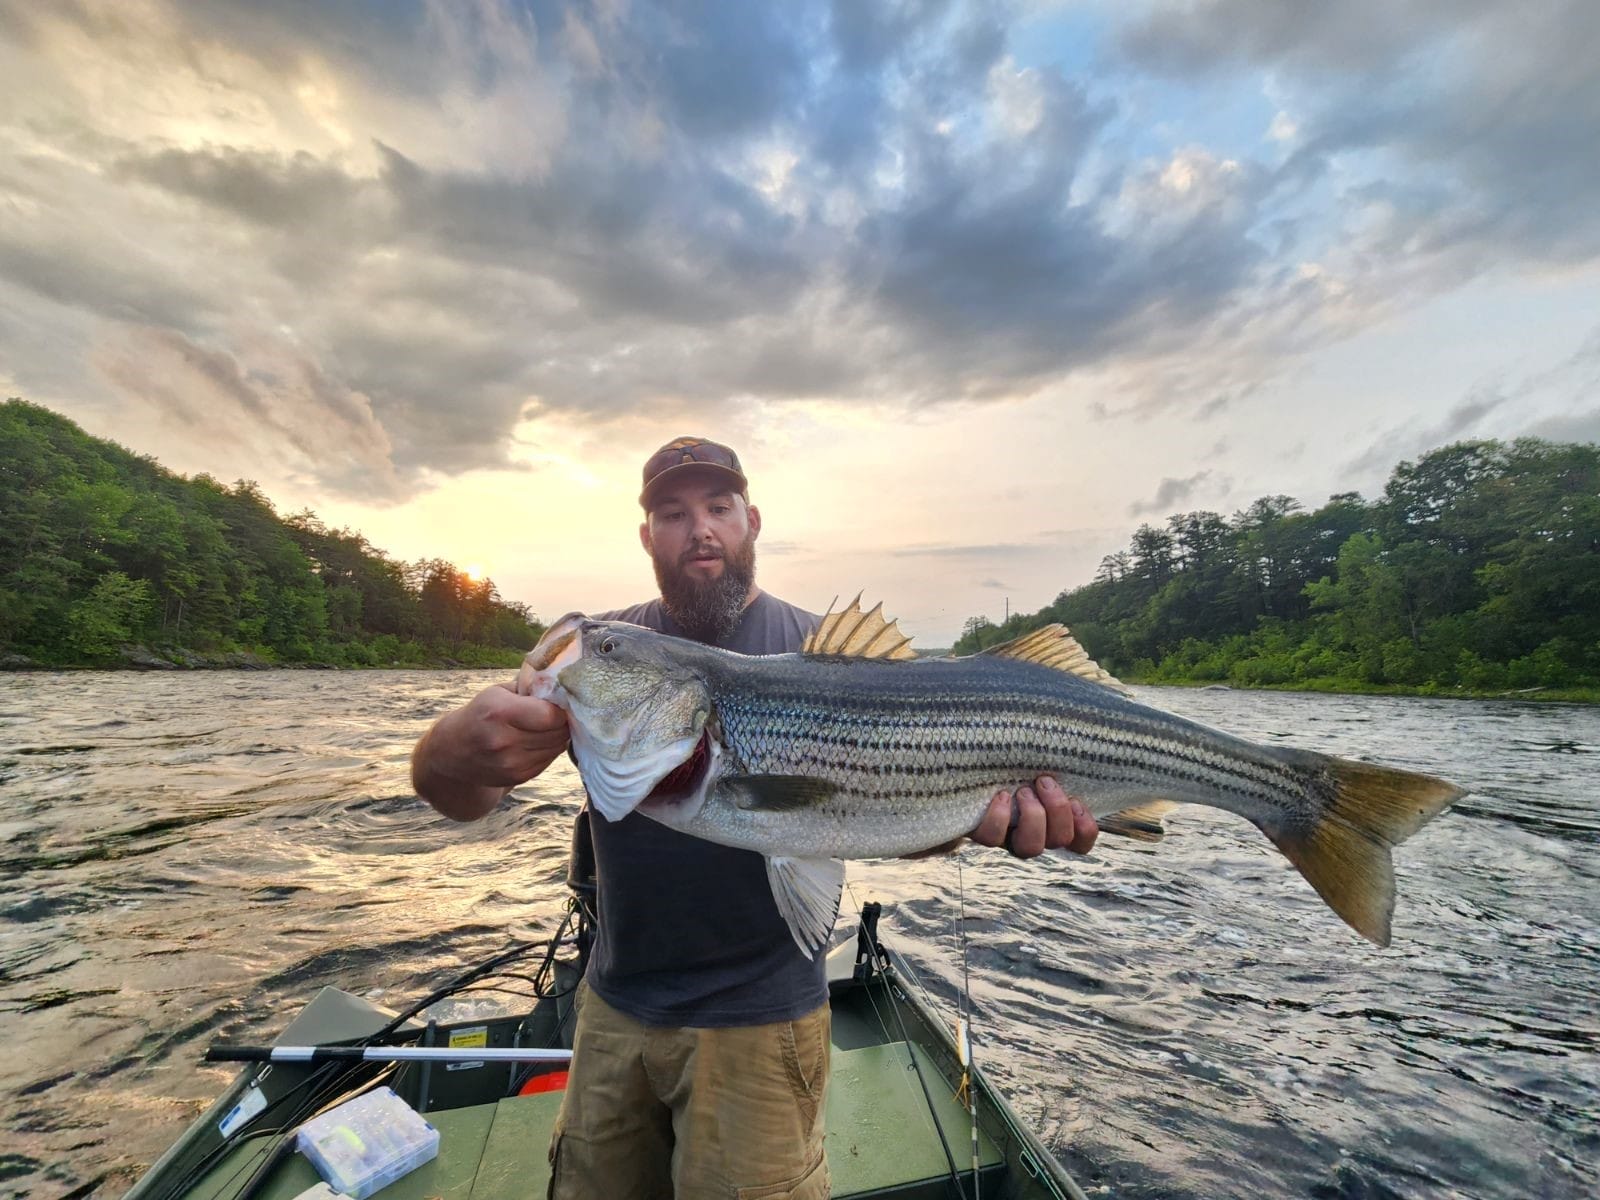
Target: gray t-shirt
x,y
689,933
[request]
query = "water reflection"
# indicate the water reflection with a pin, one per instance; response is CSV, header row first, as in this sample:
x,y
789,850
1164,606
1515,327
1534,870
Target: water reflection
x,y
189,858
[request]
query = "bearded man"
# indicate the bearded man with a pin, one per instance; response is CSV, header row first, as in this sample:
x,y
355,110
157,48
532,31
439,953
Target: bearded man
x,y
701,1051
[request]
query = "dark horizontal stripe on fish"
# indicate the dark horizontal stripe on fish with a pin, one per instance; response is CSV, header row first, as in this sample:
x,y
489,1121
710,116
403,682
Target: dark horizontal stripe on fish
x,y
892,781
958,783
1143,749
904,780
964,734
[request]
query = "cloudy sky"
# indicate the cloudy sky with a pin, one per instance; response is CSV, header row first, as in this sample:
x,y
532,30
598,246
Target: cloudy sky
x,y
974,288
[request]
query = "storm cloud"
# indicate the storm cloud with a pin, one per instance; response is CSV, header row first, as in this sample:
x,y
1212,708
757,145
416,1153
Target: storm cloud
x,y
1556,404
1171,493
415,226
1474,121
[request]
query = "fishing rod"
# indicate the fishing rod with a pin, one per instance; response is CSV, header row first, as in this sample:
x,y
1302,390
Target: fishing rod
x,y
326,1079
383,1054
964,1035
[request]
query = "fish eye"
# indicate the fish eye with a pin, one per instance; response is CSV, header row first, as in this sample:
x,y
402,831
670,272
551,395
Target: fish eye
x,y
608,645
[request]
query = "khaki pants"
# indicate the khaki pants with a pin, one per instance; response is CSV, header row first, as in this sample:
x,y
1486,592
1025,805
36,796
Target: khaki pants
x,y
696,1114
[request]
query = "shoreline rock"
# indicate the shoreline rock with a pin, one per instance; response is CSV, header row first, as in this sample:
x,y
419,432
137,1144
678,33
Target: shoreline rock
x,y
142,658
138,657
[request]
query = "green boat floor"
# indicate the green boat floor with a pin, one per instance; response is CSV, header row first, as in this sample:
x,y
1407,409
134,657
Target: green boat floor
x,y
880,1132
463,1133
880,1136
516,1160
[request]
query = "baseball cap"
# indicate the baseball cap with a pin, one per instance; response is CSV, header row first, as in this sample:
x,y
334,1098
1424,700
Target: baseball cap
x,y
681,454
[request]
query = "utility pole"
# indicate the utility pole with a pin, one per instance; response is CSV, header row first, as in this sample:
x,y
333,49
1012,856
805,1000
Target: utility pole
x,y
1008,608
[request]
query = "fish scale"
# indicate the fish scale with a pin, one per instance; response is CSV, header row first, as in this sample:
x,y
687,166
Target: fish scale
x,y
814,757
954,745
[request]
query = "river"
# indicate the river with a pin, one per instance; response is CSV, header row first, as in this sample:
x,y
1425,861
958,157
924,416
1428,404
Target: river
x,y
189,857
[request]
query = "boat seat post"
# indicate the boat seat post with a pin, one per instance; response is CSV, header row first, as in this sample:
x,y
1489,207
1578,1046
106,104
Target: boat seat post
x,y
429,1037
870,954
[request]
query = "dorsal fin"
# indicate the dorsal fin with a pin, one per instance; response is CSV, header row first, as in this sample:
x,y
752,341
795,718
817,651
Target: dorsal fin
x,y
1053,646
856,634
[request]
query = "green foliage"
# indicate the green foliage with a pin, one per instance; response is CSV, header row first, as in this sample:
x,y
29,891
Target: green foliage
x,y
115,611
1478,569
100,548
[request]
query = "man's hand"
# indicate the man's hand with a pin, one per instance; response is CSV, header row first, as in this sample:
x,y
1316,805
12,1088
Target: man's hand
x,y
471,757
1046,819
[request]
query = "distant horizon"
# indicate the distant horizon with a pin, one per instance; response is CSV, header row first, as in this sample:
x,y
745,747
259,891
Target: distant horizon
x,y
973,289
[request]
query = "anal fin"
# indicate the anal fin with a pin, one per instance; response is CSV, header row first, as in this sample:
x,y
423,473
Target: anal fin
x,y
1142,822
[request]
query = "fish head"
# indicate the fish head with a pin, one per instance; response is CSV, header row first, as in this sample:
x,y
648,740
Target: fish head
x,y
637,708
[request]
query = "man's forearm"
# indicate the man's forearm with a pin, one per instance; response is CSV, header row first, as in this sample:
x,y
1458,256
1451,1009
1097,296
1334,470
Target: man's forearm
x,y
457,799
471,757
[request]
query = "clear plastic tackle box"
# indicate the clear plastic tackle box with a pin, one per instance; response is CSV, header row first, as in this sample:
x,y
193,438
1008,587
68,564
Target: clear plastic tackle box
x,y
368,1143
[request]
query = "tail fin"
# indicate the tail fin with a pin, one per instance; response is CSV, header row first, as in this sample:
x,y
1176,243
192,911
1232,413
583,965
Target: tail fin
x,y
1345,855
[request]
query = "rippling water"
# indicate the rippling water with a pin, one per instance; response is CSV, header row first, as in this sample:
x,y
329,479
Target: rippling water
x,y
187,858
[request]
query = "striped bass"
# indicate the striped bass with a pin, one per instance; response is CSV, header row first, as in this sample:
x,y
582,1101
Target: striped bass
x,y
854,748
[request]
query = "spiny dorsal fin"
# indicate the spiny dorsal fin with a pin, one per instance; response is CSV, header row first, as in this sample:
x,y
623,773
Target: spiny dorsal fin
x,y
856,634
1142,822
1053,646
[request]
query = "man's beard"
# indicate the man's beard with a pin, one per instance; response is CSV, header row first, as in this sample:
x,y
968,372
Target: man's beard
x,y
707,609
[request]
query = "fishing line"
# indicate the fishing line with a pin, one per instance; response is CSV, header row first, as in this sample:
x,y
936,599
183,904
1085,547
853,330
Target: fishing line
x,y
879,955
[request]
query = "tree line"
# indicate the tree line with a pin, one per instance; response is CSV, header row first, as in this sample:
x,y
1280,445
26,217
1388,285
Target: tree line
x,y
102,549
1478,568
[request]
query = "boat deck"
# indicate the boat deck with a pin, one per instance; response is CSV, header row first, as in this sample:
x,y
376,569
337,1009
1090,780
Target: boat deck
x,y
896,1129
881,1141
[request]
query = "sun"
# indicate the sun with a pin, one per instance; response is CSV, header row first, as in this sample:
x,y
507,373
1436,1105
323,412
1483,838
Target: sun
x,y
475,573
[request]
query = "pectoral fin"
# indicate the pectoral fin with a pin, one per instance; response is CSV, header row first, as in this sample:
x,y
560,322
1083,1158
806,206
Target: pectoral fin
x,y
776,793
807,891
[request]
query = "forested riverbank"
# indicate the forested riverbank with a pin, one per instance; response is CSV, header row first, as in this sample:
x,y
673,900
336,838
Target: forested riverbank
x,y
108,559
1477,572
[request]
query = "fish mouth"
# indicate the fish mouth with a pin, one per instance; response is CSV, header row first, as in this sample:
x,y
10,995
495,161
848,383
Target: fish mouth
x,y
685,779
542,656
560,647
